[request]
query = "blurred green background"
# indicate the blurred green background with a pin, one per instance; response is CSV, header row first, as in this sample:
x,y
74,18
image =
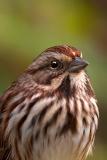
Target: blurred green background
x,y
28,27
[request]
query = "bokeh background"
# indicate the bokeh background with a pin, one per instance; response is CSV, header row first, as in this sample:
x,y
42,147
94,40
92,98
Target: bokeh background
x,y
27,27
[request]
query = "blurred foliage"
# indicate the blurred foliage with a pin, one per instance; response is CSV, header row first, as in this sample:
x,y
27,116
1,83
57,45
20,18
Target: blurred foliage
x,y
28,27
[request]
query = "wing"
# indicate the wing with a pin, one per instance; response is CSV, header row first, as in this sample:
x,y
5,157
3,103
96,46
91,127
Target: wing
x,y
5,151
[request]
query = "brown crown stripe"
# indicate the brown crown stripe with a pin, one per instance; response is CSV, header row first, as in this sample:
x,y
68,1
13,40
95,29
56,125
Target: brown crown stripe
x,y
65,49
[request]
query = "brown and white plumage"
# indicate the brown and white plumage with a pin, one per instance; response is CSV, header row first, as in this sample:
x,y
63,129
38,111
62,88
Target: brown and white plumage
x,y
49,113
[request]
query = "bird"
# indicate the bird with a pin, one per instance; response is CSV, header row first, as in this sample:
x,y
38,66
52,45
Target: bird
x,y
50,112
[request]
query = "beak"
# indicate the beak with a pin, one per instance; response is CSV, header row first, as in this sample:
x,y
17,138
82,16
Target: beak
x,y
77,64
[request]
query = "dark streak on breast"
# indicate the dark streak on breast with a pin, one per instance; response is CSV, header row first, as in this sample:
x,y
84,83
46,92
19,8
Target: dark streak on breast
x,y
37,135
1,118
69,125
83,107
21,122
85,123
89,89
44,111
16,103
52,120
65,88
17,150
38,118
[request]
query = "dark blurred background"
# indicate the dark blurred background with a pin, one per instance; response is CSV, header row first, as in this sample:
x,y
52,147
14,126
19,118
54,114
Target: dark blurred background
x,y
28,27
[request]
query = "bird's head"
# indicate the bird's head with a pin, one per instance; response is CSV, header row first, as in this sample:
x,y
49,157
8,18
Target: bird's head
x,y
56,64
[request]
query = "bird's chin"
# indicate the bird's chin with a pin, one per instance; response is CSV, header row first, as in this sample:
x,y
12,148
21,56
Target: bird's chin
x,y
78,78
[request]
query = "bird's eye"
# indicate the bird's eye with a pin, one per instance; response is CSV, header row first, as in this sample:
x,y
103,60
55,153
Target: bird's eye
x,y
55,64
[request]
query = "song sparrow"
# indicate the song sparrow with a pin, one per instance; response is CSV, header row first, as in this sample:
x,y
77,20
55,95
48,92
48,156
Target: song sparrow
x,y
50,112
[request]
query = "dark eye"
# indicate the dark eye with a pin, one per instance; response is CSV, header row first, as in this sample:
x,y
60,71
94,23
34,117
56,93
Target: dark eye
x,y
55,64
